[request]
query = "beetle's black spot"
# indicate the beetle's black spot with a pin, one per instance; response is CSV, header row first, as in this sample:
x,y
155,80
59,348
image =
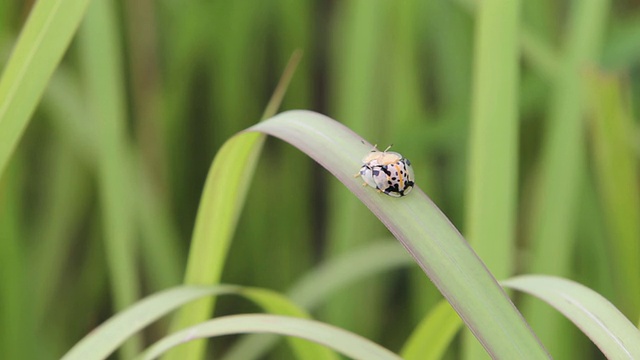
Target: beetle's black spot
x,y
393,188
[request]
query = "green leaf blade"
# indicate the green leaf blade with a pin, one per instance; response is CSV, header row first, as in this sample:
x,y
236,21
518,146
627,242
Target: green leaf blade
x,y
616,168
105,339
431,338
493,145
424,231
102,341
43,41
605,325
349,344
218,213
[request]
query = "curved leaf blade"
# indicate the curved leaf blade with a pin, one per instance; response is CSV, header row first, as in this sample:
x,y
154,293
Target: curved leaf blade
x,y
105,339
424,231
343,341
275,303
321,282
43,40
337,273
218,214
433,335
598,318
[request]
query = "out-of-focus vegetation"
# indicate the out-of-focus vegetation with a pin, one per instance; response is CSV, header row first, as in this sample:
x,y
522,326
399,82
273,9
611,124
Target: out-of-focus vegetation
x,y
519,121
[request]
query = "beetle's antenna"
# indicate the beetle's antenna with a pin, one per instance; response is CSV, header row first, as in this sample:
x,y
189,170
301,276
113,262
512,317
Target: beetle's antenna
x,y
372,149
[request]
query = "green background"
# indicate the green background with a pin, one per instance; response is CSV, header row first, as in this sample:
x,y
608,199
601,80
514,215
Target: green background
x,y
519,123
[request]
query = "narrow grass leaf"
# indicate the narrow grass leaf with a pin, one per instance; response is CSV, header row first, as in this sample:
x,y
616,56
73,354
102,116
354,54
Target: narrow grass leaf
x,y
232,170
42,42
275,303
66,104
493,163
105,339
15,315
621,51
424,231
617,171
54,229
103,75
431,338
316,287
217,217
561,168
539,54
164,258
347,343
493,151
345,270
534,49
356,53
605,325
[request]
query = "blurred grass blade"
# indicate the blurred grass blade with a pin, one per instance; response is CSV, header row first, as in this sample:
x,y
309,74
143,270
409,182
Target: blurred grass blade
x,y
43,40
424,231
232,170
160,240
493,163
217,217
323,281
65,102
105,339
493,150
536,51
15,299
355,51
617,171
561,169
621,49
100,56
347,269
605,325
69,186
274,303
347,343
539,54
281,89
431,338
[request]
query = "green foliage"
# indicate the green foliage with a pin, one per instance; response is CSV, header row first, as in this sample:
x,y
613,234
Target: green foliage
x,y
607,327
347,343
561,171
432,336
104,340
41,44
493,140
616,172
423,230
518,118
